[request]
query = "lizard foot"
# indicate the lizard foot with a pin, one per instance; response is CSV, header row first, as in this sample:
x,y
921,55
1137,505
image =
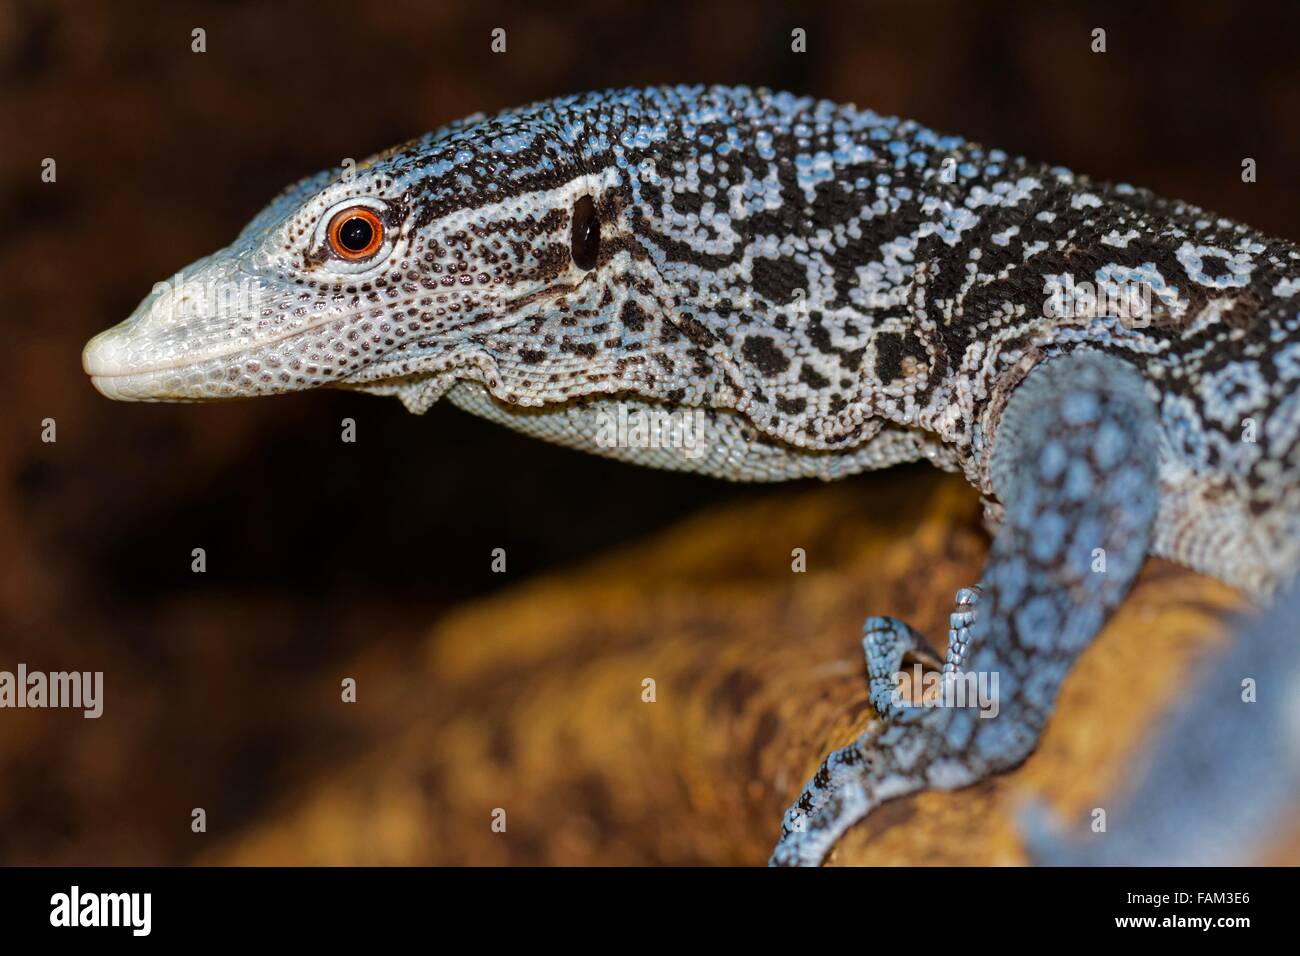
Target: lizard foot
x,y
890,645
890,758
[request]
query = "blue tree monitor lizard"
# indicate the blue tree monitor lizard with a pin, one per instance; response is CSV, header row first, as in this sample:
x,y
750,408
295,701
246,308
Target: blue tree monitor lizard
x,y
829,291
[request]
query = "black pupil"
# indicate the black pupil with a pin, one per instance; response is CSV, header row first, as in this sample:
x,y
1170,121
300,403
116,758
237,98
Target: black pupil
x,y
586,233
355,234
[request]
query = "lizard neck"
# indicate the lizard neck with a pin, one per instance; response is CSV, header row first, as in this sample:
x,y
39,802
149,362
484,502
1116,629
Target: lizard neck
x,y
807,264
831,278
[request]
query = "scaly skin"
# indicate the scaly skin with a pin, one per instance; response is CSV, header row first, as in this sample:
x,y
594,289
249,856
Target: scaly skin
x,y
836,291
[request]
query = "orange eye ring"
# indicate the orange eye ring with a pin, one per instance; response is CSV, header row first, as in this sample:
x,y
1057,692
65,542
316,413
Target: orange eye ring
x,y
355,234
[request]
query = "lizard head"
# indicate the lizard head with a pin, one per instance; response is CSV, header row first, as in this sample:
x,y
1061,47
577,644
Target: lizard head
x,y
484,252
547,268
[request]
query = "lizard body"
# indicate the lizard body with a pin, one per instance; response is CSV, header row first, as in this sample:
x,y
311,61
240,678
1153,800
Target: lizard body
x,y
831,291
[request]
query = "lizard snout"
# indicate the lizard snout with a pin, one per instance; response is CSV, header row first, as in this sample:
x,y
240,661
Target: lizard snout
x,y
189,332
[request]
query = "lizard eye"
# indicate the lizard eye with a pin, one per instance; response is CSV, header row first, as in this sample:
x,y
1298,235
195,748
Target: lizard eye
x,y
355,233
585,237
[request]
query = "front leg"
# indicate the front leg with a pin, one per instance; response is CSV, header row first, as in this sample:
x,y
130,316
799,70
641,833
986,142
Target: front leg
x,y
1074,463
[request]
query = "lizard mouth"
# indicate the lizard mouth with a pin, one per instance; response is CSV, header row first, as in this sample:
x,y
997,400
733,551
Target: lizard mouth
x,y
141,387
119,369
115,373
118,374
126,367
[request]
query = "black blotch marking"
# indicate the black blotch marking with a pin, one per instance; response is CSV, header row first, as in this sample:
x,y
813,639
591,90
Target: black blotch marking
x,y
812,378
891,349
762,352
778,280
791,406
633,316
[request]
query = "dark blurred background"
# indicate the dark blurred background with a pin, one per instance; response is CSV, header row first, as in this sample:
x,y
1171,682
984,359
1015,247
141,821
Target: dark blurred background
x,y
327,559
